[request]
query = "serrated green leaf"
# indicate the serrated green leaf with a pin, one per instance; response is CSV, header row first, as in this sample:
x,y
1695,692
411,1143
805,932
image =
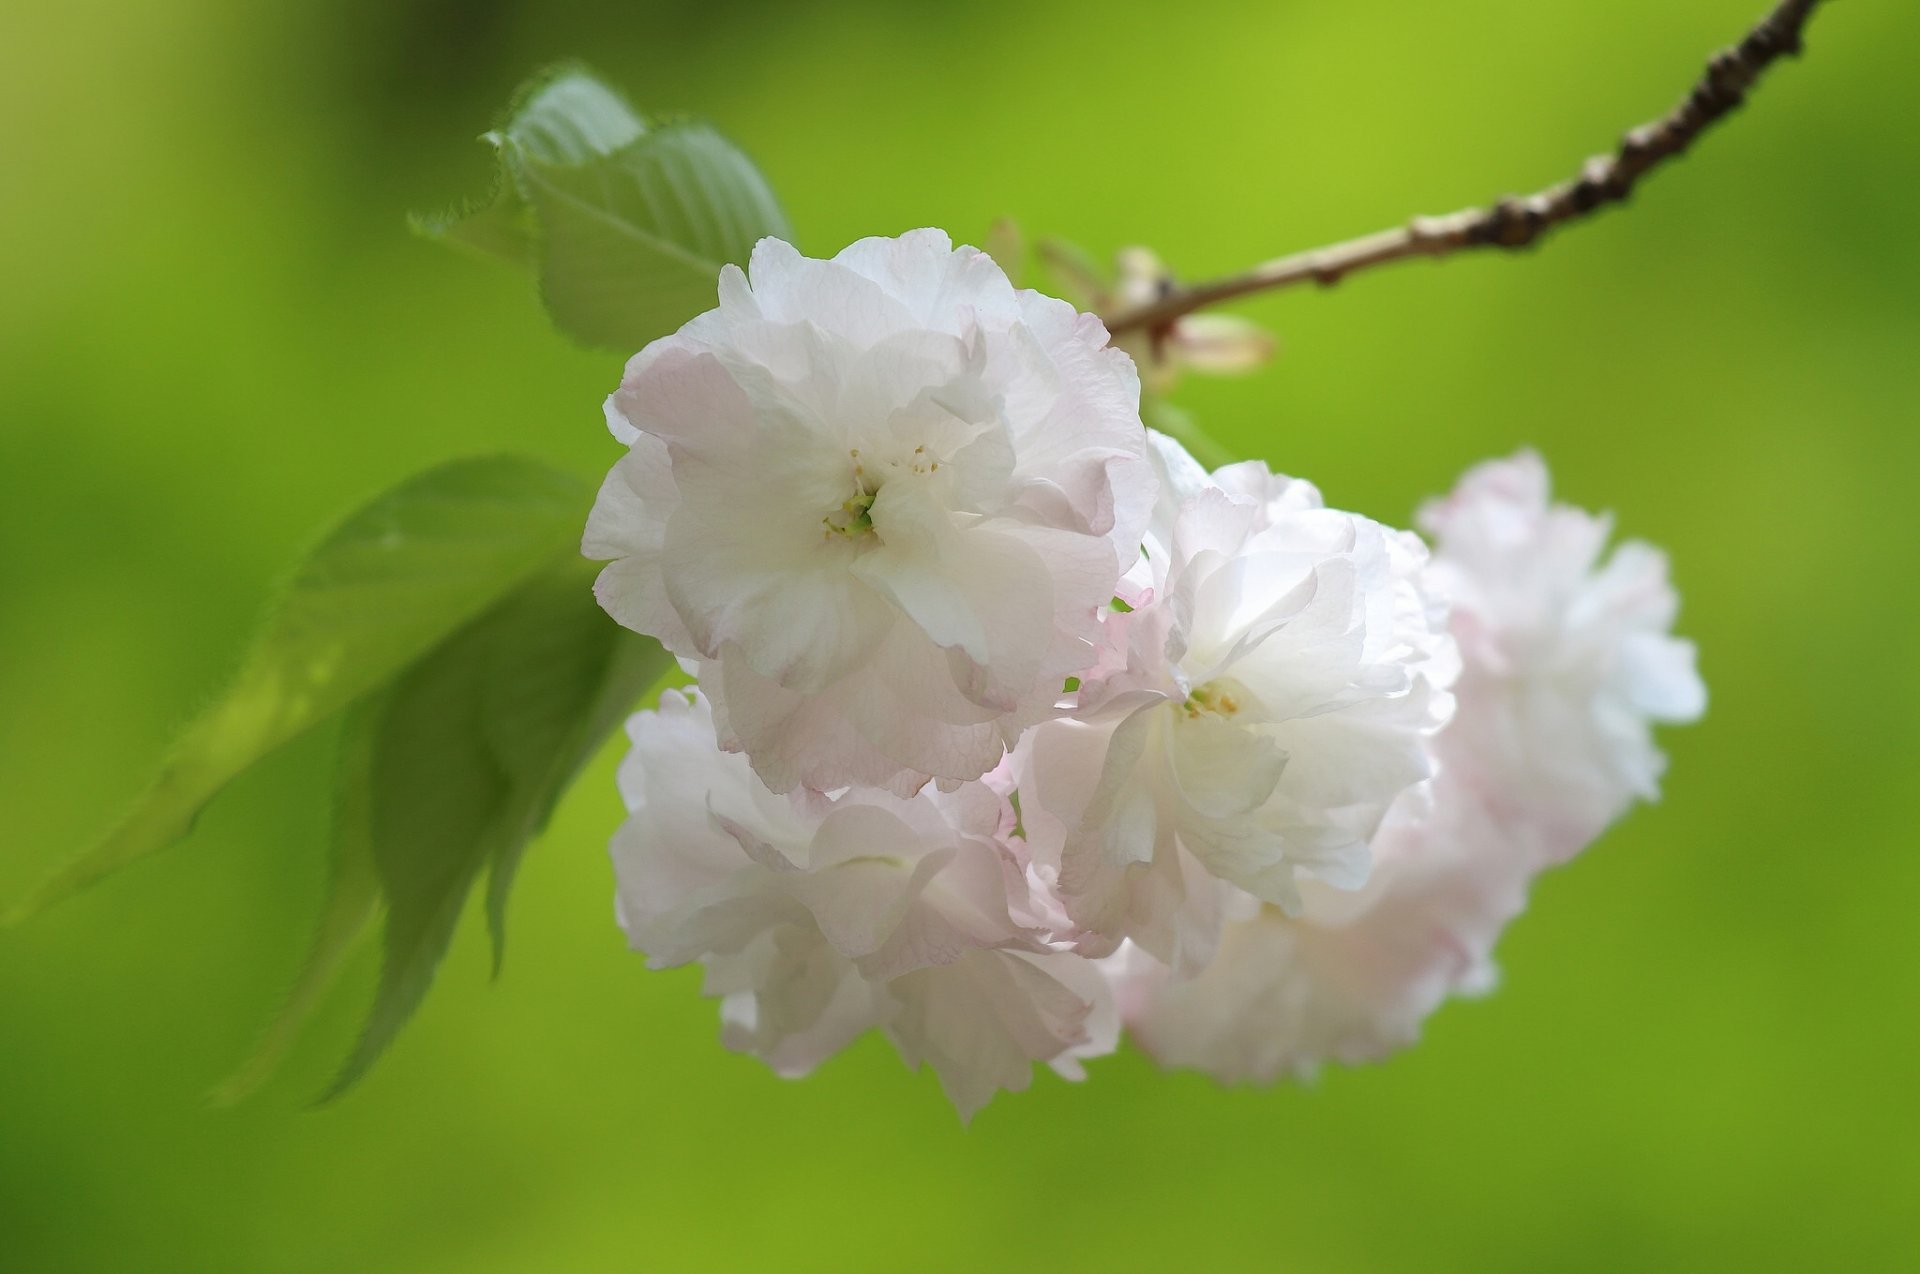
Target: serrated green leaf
x,y
626,224
473,748
388,585
631,244
567,116
501,225
562,116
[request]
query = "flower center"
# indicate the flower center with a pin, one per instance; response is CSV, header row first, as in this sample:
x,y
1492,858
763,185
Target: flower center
x,y
1221,699
854,517
853,520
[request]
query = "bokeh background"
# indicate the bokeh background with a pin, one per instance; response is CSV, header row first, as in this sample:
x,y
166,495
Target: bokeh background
x,y
216,336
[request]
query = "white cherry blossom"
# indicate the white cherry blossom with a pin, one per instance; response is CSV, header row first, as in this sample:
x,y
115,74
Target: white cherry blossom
x,y
817,917
1566,662
1568,655
1353,975
1272,691
879,500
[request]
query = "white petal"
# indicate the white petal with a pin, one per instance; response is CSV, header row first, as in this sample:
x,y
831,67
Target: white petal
x,y
887,496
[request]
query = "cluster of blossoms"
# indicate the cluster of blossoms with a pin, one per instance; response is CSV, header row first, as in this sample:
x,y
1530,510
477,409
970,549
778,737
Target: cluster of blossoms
x,y
1015,727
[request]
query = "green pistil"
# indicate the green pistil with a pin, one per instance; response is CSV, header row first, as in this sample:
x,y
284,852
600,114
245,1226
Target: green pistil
x,y
854,518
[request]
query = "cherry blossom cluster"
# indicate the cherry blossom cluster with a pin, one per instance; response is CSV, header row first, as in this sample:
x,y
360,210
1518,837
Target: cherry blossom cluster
x,y
1014,726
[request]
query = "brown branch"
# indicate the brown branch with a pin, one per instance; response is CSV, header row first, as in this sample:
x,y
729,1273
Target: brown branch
x,y
1512,222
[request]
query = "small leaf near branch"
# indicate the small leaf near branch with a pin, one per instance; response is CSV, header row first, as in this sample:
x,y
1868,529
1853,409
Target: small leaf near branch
x,y
627,224
470,752
632,245
567,116
383,589
561,116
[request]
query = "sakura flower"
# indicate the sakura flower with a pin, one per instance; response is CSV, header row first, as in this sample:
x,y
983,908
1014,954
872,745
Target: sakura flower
x,y
879,501
1566,662
1568,657
819,917
1250,720
1352,976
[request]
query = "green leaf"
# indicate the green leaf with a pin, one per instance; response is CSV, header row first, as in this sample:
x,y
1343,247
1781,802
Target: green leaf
x,y
626,223
353,899
567,116
501,225
472,749
384,588
631,245
1178,423
562,116
559,691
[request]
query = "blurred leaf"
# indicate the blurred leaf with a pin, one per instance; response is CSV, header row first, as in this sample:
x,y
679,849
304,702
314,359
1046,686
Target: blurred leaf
x,y
1178,423
559,690
353,899
1007,245
627,225
567,116
1068,272
471,751
631,245
562,116
388,585
500,225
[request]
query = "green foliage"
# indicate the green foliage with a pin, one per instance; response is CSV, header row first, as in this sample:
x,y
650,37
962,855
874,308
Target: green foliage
x,y
566,116
384,588
455,619
626,223
563,117
469,753
1699,1057
452,615
353,900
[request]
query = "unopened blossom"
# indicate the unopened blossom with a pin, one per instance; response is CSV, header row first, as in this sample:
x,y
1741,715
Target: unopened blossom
x,y
817,918
1212,344
879,501
1271,691
1566,662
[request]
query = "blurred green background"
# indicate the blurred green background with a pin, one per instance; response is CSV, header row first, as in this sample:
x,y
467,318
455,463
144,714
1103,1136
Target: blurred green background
x,y
216,336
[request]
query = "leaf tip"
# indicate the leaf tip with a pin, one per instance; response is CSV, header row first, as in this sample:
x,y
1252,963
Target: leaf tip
x,y
55,887
365,1053
429,225
231,1091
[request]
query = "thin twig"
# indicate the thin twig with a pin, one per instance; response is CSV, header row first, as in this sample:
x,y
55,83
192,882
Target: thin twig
x,y
1513,222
